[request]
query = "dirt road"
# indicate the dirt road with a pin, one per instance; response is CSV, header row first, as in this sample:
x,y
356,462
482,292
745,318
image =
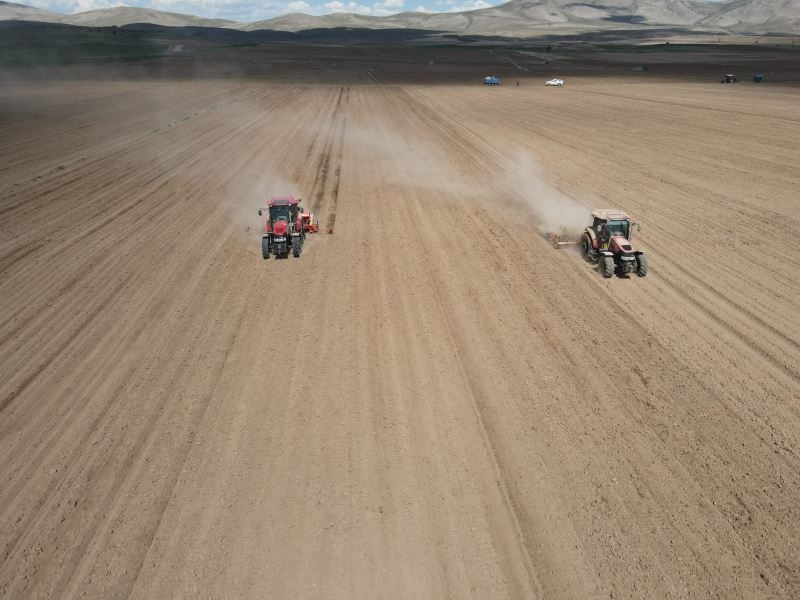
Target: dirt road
x,y
429,403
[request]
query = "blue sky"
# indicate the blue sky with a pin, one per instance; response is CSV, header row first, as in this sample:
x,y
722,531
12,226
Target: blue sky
x,y
255,10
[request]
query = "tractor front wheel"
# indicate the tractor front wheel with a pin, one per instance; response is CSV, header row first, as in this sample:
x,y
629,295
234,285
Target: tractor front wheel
x,y
608,266
265,248
641,269
297,247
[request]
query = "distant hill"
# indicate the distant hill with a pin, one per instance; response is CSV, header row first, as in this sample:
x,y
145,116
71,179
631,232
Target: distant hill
x,y
537,17
757,16
20,12
516,18
124,15
106,17
299,22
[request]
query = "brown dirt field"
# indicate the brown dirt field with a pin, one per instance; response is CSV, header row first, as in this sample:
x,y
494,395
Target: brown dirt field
x,y
432,402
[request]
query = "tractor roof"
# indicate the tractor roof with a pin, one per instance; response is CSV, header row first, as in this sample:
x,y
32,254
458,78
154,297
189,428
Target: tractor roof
x,y
611,214
283,201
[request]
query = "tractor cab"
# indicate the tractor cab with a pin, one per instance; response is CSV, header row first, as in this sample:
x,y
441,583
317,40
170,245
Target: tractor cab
x,y
280,213
286,209
608,224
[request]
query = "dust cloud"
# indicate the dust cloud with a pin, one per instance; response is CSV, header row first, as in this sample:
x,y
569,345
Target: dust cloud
x,y
516,178
407,161
555,211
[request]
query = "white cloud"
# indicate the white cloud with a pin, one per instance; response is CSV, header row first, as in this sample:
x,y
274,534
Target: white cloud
x,y
472,5
84,5
336,6
421,9
44,4
299,6
387,7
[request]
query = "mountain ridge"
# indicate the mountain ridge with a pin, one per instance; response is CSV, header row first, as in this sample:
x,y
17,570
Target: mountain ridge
x,y
515,18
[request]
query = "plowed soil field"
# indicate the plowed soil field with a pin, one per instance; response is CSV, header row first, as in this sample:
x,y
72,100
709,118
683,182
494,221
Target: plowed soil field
x,y
431,402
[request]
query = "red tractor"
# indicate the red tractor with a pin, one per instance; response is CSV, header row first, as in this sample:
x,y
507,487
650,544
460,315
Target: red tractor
x,y
607,242
285,226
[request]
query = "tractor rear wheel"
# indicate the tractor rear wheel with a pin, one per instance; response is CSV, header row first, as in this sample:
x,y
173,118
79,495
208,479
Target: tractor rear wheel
x,y
297,247
586,246
265,248
641,269
608,266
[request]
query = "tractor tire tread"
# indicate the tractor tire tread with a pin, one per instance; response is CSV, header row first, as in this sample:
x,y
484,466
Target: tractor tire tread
x,y
642,265
608,267
586,246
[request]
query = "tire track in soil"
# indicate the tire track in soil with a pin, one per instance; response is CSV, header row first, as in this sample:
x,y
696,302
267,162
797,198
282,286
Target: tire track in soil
x,y
40,457
782,368
62,346
76,577
526,251
254,135
695,474
160,413
786,369
142,203
449,134
325,188
19,253
151,217
512,506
